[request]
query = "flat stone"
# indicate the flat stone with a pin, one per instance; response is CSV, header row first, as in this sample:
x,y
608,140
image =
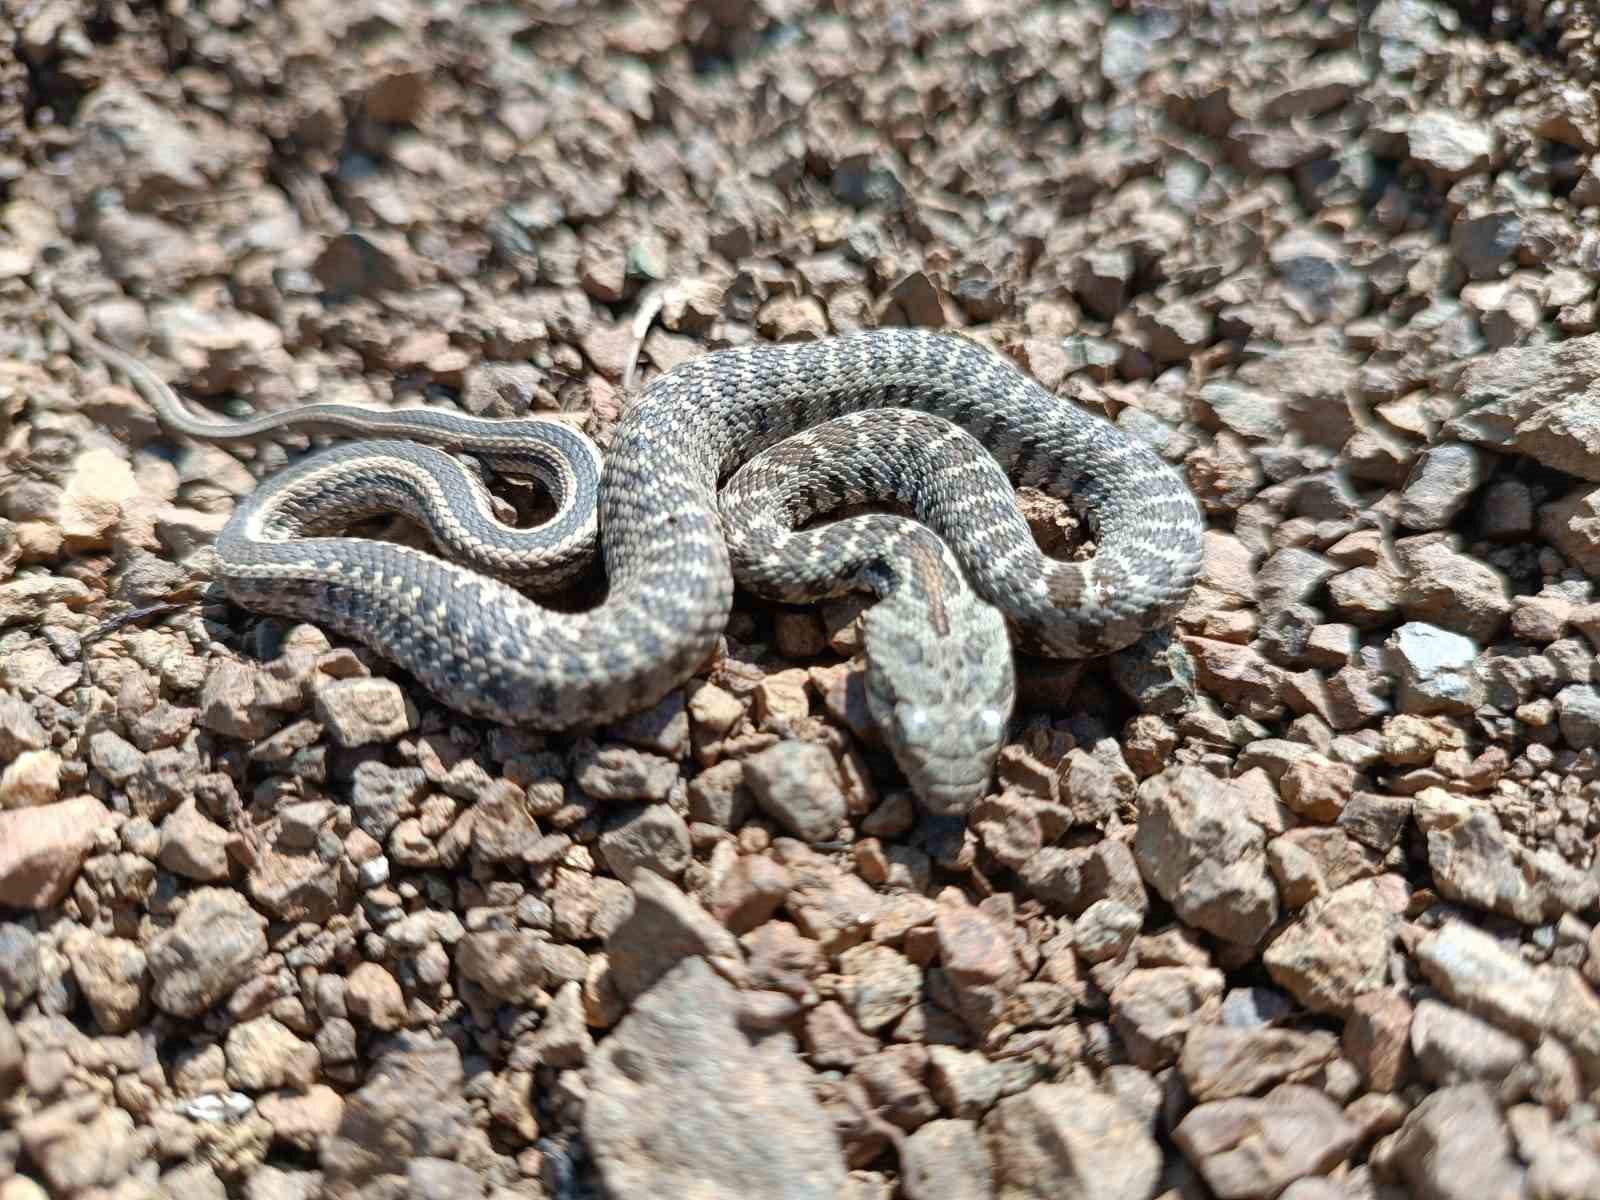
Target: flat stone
x,y
1436,670
1452,1046
1252,1149
664,927
360,712
798,785
1542,402
1475,861
1455,1146
1336,950
946,1160
1219,1063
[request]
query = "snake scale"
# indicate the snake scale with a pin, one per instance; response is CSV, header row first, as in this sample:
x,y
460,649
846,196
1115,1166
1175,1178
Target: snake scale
x,y
931,420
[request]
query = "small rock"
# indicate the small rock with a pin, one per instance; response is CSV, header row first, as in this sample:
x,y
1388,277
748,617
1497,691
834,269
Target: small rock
x,y
653,838
20,730
798,785
32,779
679,1094
621,773
1252,1149
19,965
1542,402
1572,526
1436,669
1066,1140
42,848
1197,848
215,945
193,845
1455,592
1219,1063
1448,146
1452,1046
1454,1146
111,972
1377,1038
1474,861
664,928
359,712
374,997
946,1160
1578,715
1336,951
1440,486
264,1054
517,966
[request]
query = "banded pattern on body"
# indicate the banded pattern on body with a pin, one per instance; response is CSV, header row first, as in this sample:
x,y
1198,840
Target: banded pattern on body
x,y
484,648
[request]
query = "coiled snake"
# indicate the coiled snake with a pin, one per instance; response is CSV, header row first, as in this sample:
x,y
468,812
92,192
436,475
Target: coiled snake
x,y
932,420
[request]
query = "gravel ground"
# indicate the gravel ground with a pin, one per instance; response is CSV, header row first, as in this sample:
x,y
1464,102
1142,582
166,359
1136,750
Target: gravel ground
x,y
1302,906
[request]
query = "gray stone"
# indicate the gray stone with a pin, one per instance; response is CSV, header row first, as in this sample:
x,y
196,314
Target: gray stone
x,y
1452,1046
797,784
1440,486
679,1097
652,838
1542,402
19,965
1578,715
214,945
664,928
1436,669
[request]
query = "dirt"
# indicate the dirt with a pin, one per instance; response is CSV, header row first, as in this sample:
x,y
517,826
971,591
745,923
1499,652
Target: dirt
x,y
1301,903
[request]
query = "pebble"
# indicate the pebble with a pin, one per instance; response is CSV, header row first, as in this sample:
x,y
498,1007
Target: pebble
x,y
360,712
798,785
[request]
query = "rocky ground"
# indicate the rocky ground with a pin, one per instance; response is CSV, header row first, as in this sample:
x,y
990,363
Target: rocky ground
x,y
1302,906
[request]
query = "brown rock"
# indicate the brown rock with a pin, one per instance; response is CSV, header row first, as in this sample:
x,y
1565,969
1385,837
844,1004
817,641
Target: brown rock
x,y
42,848
1377,1038
1197,848
1253,1149
1219,1062
1338,949
373,996
1069,1142
664,928
946,1160
1454,1146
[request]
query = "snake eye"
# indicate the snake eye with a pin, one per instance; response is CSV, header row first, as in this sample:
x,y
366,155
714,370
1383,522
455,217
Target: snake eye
x,y
913,722
991,723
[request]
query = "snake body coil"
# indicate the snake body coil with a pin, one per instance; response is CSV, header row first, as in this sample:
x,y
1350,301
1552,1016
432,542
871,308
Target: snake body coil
x,y
484,648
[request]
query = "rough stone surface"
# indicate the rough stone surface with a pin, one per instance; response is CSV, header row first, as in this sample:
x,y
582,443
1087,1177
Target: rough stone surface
x,y
679,1093
214,946
41,849
1068,1141
1204,856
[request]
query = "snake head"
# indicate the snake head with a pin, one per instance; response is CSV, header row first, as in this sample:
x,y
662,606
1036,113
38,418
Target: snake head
x,y
941,692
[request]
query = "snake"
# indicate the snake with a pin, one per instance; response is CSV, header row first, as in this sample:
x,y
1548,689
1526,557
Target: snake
x,y
876,409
